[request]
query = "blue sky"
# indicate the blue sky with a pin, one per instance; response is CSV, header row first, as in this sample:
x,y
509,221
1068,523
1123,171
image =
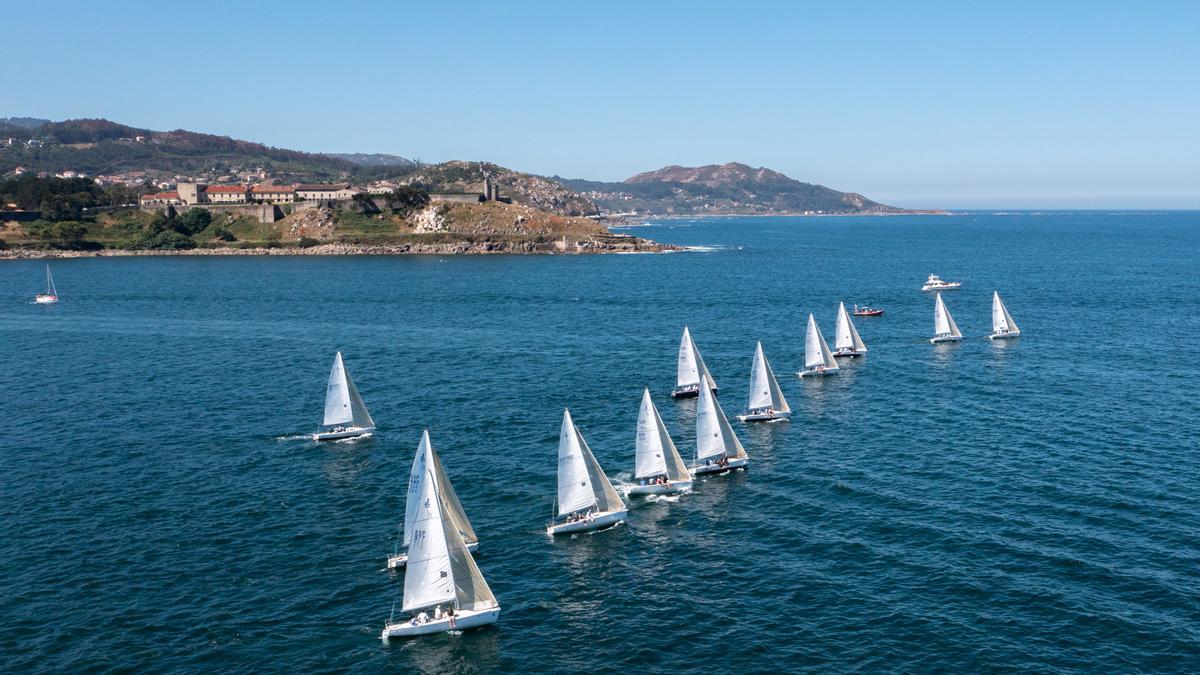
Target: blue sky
x,y
981,104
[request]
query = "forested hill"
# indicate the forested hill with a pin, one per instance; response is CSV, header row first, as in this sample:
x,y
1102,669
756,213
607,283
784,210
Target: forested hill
x,y
721,188
98,146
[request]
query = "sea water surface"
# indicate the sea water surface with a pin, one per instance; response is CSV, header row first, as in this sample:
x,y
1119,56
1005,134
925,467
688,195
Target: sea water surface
x,y
1032,504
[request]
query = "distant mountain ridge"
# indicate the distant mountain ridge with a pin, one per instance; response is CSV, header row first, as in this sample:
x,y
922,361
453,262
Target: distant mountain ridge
x,y
732,188
372,159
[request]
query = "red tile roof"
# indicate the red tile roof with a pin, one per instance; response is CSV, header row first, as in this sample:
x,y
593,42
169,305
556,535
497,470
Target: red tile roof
x,y
226,188
162,195
273,188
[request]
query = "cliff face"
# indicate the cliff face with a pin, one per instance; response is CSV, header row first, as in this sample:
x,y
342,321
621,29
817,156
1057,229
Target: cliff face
x,y
523,188
722,188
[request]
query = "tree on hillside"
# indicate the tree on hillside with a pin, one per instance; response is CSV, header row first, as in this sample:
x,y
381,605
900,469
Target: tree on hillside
x,y
192,221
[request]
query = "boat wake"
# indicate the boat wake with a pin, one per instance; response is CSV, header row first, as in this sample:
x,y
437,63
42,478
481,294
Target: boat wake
x,y
294,437
706,249
667,498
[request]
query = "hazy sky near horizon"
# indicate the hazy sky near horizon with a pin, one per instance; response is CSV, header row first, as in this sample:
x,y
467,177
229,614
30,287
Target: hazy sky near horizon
x,y
988,104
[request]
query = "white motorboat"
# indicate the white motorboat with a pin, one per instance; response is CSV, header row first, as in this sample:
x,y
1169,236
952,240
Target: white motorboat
x,y
691,369
443,587
818,360
346,415
658,468
717,448
51,295
846,341
426,457
934,283
765,402
944,328
1003,326
586,499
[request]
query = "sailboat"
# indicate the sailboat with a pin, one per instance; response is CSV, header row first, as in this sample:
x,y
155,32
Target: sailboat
x,y
346,415
691,369
1003,325
944,328
818,360
51,295
766,402
717,447
587,500
658,467
443,588
846,341
453,508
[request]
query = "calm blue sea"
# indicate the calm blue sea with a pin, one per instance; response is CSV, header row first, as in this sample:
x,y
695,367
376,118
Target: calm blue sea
x,y
982,506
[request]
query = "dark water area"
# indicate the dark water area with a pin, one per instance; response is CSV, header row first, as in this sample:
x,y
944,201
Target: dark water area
x,y
1028,505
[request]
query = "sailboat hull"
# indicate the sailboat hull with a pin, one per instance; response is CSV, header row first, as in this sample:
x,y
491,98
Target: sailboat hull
x,y
945,338
848,353
702,469
401,559
669,489
45,299
602,520
813,372
352,432
464,620
764,417
1005,336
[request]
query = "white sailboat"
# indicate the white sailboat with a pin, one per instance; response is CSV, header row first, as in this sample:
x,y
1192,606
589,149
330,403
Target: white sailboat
x,y
818,360
717,447
846,341
766,402
944,328
587,500
51,295
691,369
346,415
443,588
426,456
658,468
1003,325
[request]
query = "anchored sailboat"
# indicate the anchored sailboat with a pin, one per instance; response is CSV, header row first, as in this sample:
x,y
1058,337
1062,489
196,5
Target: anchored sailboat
x,y
658,467
346,415
442,577
766,402
1003,325
586,498
944,328
691,369
426,456
818,360
717,447
51,295
846,341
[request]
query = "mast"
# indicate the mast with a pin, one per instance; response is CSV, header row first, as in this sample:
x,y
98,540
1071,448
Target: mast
x,y
50,289
760,381
714,436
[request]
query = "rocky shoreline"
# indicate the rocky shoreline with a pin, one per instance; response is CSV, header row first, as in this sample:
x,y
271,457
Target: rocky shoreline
x,y
631,245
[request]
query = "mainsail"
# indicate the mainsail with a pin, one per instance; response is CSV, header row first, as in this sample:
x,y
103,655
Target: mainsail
x,y
429,579
50,289
675,468
649,453
816,351
343,404
1001,319
760,381
847,335
415,476
943,323
575,491
691,365
714,436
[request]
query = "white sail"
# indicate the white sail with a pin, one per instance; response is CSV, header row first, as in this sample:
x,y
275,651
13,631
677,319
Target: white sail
x,y
1001,319
649,454
413,499
691,365
847,336
760,381
337,395
607,497
943,324
50,289
816,350
429,579
454,510
575,491
778,402
714,436
676,469
359,416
